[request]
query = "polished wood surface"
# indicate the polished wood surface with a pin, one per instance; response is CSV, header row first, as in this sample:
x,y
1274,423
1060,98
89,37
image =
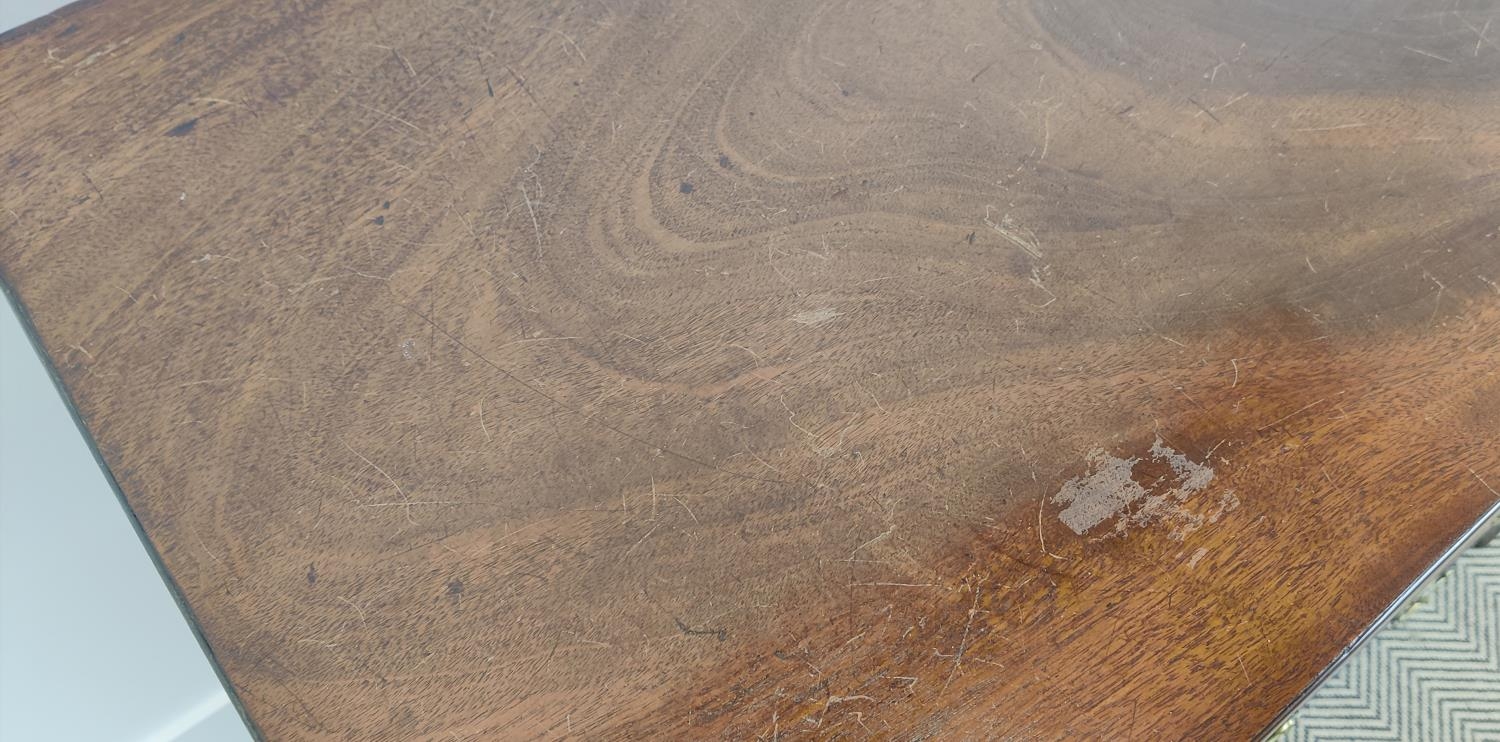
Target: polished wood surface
x,y
606,370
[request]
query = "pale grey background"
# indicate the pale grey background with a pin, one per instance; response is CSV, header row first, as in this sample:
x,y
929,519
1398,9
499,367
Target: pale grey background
x,y
92,646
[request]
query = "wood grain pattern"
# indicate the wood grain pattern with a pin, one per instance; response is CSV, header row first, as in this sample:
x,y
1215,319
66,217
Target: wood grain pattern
x,y
661,369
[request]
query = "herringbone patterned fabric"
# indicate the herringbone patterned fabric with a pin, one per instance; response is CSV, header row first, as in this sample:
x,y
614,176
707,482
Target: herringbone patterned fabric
x,y
1432,674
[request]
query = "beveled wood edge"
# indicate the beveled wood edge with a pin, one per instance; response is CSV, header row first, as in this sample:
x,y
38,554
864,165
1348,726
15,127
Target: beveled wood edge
x,y
28,328
1487,526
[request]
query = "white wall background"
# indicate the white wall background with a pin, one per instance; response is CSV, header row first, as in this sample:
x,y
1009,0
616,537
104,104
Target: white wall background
x,y
92,646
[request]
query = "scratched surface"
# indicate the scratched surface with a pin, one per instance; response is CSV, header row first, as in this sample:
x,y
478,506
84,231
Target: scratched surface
x,y
771,369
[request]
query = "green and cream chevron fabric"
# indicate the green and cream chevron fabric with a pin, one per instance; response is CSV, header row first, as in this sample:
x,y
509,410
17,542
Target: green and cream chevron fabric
x,y
1432,674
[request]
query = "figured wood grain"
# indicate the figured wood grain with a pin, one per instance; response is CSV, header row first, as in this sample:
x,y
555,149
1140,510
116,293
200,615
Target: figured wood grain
x,y
705,370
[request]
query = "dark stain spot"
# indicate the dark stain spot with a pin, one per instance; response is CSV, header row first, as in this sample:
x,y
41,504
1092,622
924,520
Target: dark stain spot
x,y
456,588
312,574
720,634
379,220
385,204
844,92
724,162
685,187
72,27
182,129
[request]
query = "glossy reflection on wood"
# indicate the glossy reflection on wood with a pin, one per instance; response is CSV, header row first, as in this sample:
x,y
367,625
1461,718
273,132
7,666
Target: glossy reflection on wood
x,y
775,370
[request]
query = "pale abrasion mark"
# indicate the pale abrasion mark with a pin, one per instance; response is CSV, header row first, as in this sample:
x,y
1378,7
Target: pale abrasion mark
x,y
1110,490
814,317
1193,561
1014,233
1195,476
1100,495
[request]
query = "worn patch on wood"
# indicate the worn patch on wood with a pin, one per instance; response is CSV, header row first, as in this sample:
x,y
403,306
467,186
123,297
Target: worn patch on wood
x,y
1138,492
